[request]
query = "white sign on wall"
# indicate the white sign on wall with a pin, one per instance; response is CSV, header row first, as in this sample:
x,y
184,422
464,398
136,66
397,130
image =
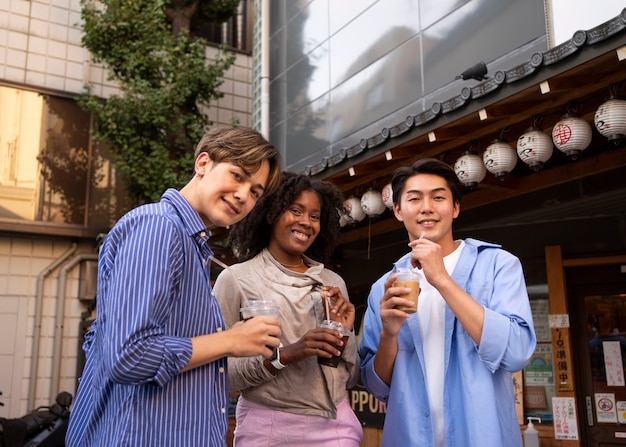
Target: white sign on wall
x,y
564,411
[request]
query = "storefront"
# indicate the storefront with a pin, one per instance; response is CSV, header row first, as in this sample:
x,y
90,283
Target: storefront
x,y
565,219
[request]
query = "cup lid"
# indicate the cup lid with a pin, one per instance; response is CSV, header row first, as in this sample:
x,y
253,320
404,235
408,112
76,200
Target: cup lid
x,y
260,304
407,273
332,324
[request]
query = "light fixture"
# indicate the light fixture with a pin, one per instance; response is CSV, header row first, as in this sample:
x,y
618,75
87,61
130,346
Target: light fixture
x,y
470,170
353,209
499,158
571,135
372,203
534,147
610,119
387,195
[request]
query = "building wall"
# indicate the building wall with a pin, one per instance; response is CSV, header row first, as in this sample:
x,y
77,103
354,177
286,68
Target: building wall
x,y
40,50
24,270
341,69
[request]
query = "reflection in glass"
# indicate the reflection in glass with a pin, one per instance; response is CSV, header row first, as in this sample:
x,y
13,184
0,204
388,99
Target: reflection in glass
x,y
20,128
48,170
606,323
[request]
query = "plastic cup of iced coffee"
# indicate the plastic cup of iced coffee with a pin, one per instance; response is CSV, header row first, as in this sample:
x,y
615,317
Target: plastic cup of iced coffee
x,y
337,326
409,278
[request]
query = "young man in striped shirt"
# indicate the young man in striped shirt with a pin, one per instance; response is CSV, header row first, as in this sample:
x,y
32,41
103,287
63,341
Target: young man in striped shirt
x,y
155,372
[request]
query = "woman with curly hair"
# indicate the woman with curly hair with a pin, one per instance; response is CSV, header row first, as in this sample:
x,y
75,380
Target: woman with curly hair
x,y
290,399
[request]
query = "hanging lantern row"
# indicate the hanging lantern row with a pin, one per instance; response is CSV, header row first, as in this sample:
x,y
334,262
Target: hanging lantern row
x,y
373,203
571,135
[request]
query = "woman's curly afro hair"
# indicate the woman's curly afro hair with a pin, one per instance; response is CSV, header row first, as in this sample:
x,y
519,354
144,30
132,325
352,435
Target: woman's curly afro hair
x,y
252,234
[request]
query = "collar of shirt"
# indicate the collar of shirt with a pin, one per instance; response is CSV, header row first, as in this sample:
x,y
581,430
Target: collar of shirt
x,y
188,215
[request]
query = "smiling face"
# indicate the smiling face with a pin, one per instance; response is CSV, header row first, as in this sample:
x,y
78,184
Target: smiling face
x,y
224,193
297,227
427,206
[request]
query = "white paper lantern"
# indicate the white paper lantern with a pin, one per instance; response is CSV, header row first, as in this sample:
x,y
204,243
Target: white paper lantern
x,y
387,194
470,170
499,158
372,203
354,210
534,147
571,135
610,119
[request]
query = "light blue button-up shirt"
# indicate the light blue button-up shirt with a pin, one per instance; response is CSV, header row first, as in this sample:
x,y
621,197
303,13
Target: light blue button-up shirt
x,y
153,296
479,406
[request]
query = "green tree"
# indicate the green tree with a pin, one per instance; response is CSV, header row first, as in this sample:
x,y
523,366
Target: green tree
x,y
164,79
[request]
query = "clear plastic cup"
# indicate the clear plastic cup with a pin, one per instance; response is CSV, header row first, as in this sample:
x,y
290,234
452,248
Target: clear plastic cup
x,y
337,326
258,308
409,278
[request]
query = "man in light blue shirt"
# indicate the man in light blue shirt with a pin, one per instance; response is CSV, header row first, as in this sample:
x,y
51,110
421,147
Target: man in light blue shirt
x,y
445,371
155,372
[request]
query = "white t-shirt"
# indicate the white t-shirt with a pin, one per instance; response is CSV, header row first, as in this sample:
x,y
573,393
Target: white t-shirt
x,y
431,314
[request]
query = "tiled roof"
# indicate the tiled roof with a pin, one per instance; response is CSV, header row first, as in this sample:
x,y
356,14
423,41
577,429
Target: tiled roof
x,y
415,123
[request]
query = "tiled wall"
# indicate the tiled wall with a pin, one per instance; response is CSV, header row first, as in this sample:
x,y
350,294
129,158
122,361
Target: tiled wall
x,y
25,263
40,47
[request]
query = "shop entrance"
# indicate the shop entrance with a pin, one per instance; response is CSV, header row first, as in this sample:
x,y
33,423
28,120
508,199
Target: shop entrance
x,y
597,302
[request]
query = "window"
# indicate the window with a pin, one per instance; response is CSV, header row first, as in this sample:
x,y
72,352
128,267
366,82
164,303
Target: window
x,y
236,33
49,171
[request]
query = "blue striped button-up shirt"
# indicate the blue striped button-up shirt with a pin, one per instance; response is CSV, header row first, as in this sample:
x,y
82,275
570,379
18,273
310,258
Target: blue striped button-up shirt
x,y
153,295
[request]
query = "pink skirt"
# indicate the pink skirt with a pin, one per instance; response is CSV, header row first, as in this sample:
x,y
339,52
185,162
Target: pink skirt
x,y
261,426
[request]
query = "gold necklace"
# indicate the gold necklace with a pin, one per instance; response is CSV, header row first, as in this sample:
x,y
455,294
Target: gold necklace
x,y
293,266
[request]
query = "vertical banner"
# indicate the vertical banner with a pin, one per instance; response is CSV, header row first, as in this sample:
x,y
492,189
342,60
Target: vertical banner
x,y
613,364
562,358
565,425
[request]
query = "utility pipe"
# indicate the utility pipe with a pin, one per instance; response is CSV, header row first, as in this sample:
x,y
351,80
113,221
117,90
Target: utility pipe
x,y
34,363
60,315
265,68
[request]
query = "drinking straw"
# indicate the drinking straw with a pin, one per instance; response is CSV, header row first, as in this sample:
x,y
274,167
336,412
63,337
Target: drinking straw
x,y
326,301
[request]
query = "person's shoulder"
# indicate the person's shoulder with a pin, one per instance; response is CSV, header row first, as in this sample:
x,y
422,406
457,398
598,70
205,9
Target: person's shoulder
x,y
243,269
329,271
481,244
490,249
137,217
332,275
